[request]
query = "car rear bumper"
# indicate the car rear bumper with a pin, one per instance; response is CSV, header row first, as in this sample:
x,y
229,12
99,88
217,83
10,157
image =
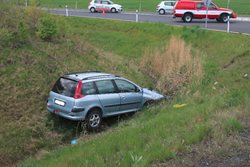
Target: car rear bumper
x,y
69,115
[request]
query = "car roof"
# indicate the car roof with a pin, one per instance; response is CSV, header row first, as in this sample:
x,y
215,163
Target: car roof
x,y
88,75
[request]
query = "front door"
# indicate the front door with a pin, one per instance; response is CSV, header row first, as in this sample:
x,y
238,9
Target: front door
x,y
131,96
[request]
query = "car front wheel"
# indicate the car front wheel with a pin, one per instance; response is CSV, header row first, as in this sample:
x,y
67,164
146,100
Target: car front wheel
x,y
113,10
218,20
94,120
224,18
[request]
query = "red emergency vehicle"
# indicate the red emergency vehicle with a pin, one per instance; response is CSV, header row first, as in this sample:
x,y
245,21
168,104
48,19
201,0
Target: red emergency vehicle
x,y
188,10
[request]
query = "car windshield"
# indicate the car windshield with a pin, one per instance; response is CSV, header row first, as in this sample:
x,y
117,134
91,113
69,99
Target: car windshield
x,y
110,2
65,87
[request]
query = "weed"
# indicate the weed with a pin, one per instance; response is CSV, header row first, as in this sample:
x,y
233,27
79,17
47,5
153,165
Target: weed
x,y
232,125
172,67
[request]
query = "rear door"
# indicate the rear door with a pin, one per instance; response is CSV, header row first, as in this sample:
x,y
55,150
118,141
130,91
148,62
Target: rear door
x,y
200,10
130,94
106,5
61,97
108,96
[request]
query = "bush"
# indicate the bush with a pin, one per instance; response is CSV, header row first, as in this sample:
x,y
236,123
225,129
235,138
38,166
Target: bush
x,y
13,28
47,28
173,66
32,15
6,37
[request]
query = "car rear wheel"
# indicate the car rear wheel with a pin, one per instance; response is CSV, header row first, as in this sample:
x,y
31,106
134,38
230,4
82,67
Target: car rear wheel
x,y
187,17
94,120
113,10
92,10
161,11
224,18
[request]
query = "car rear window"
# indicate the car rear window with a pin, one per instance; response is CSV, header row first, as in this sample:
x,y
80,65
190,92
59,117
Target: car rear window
x,y
65,87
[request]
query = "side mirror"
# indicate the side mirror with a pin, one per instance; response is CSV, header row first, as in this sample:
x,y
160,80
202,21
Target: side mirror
x,y
138,89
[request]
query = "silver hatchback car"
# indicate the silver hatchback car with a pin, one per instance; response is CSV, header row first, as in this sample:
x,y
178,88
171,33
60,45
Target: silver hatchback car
x,y
90,96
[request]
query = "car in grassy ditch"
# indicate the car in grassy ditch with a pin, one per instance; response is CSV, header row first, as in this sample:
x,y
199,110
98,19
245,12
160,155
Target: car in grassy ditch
x,y
90,96
104,5
165,7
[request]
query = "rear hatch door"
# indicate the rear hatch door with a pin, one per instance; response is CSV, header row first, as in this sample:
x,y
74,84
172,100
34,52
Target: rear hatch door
x,y
61,98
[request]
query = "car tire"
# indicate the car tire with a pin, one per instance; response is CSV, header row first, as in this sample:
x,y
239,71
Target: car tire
x,y
113,10
224,18
162,12
94,120
187,18
92,10
218,20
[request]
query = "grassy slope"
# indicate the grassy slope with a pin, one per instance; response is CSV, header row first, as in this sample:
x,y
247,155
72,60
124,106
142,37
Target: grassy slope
x,y
27,74
239,6
162,131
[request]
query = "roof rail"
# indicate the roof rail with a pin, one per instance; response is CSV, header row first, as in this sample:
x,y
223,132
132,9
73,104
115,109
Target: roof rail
x,y
99,76
83,72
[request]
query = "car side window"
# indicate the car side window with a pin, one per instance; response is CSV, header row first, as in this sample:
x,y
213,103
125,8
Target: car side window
x,y
200,5
88,88
105,87
167,3
125,86
212,6
104,2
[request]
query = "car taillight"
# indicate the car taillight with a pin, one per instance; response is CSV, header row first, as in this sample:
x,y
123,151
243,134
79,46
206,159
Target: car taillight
x,y
78,94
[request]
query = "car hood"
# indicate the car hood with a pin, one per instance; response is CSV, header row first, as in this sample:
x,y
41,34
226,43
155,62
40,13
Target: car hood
x,y
116,5
225,9
151,94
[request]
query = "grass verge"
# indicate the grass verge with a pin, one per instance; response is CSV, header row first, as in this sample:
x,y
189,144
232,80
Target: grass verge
x,y
29,68
241,6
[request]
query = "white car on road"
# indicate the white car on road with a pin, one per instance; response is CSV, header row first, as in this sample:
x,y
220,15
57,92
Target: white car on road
x,y
165,7
104,5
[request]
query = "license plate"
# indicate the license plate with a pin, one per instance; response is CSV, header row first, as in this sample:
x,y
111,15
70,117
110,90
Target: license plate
x,y
59,102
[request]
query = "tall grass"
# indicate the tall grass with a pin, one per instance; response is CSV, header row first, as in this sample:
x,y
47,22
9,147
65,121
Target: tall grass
x,y
173,66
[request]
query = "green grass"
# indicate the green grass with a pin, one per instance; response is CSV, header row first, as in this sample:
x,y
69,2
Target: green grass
x,y
162,131
240,6
29,71
233,125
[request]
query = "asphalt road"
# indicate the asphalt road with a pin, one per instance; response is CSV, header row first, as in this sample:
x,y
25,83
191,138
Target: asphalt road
x,y
235,26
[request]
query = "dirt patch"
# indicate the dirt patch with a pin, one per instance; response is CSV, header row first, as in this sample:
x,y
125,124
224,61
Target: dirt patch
x,y
227,153
231,150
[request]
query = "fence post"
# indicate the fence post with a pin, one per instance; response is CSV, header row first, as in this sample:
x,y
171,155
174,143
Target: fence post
x,y
136,16
228,24
67,11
